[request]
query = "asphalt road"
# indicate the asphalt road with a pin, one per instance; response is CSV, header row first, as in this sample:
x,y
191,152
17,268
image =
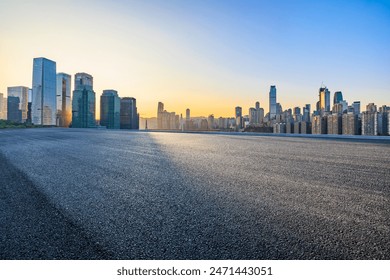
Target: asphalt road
x,y
100,194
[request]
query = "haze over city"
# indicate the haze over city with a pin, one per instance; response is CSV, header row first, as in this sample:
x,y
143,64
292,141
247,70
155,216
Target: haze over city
x,y
209,56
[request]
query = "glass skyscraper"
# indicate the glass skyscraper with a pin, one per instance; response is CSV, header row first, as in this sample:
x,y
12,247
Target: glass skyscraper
x,y
129,118
64,105
83,102
338,97
324,95
272,102
22,94
44,101
110,106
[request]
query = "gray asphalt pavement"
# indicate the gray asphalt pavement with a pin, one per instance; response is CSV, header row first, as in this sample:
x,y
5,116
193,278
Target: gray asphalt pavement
x,y
101,194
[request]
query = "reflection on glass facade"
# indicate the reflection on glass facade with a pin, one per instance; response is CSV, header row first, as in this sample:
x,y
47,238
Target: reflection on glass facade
x,y
22,94
129,117
44,92
64,106
83,102
110,109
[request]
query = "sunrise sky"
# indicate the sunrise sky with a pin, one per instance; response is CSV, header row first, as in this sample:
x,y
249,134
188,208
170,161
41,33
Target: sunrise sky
x,y
209,56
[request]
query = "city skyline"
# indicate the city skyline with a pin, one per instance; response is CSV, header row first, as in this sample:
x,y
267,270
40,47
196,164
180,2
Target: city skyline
x,y
206,56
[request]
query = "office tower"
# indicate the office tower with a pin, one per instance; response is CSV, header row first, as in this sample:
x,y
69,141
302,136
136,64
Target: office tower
x,y
350,124
306,113
297,127
356,107
187,124
337,108
160,110
371,107
22,94
337,97
3,107
238,115
64,105
29,107
110,105
14,114
210,122
44,100
188,114
252,116
83,102
129,117
324,95
272,103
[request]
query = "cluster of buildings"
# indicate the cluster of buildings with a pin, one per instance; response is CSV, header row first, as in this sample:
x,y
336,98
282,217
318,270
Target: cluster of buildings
x,y
49,101
341,118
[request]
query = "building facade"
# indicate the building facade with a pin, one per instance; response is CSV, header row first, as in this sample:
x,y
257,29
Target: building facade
x,y
64,105
129,117
83,102
272,102
44,100
110,105
22,93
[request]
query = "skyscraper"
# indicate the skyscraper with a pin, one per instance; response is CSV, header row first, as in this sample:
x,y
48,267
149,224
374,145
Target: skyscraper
x,y
160,110
44,101
272,102
356,107
324,96
14,114
337,97
22,94
110,105
238,115
64,105
3,107
129,118
83,102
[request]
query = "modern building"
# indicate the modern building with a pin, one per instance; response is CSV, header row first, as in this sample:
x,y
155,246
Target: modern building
x,y
110,105
369,123
350,124
83,102
334,122
167,120
14,113
22,93
337,97
3,107
272,103
44,100
64,105
129,117
356,107
319,124
238,116
324,96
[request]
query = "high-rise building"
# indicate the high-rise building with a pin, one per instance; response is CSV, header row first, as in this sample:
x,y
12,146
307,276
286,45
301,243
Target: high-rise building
x,y
324,96
44,101
160,110
110,105
210,122
319,124
337,97
334,122
3,107
129,117
272,102
83,102
22,94
356,107
167,120
350,124
14,114
238,115
64,105
306,113
29,107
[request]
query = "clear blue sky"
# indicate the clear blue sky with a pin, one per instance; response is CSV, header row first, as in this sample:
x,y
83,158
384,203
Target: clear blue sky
x,y
209,55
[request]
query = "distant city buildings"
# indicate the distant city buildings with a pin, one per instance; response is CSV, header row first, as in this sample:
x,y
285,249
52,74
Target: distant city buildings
x,y
167,120
272,103
129,117
83,103
44,98
17,104
110,105
64,105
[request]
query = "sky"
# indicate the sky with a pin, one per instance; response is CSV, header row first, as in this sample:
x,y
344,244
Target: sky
x,y
206,55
